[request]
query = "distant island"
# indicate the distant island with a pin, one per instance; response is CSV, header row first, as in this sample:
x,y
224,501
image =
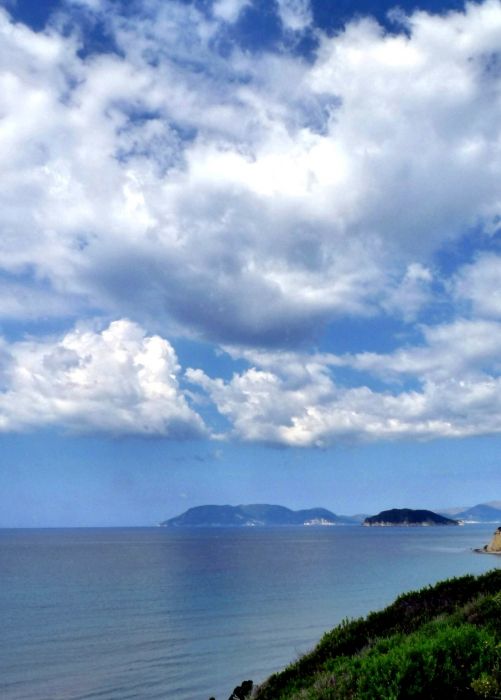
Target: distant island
x,y
265,515
407,517
256,515
481,513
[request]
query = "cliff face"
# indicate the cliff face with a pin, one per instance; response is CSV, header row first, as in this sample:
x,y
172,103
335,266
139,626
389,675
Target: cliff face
x,y
495,545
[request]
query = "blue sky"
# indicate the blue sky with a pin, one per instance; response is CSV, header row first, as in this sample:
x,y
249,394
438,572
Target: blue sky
x,y
249,252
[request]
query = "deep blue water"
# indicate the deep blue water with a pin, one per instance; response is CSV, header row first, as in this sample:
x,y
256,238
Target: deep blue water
x,y
116,614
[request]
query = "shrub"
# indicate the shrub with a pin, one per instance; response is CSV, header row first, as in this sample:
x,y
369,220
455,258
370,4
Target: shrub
x,y
440,642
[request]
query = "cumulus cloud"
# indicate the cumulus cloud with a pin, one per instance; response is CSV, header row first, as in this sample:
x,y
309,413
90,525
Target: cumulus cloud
x,y
118,381
449,386
263,406
250,199
247,198
479,285
295,14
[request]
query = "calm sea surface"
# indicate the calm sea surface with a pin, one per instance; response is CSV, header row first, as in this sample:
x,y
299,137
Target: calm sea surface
x,y
114,614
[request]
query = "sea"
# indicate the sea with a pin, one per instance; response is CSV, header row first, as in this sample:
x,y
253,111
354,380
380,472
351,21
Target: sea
x,y
166,614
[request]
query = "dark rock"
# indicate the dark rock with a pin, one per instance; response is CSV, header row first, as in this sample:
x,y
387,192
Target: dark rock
x,y
242,692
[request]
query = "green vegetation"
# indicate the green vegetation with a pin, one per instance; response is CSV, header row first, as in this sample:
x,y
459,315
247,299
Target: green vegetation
x,y
408,516
441,642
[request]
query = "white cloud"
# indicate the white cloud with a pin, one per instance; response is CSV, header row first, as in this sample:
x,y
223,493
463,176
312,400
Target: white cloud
x,y
480,284
118,381
248,199
31,300
412,293
295,14
229,10
89,4
295,400
265,407
463,347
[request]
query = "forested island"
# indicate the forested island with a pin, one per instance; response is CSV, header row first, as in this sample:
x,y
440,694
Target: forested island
x,y
443,641
409,517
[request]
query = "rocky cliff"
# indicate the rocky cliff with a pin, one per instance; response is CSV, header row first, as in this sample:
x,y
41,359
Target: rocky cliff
x,y
495,545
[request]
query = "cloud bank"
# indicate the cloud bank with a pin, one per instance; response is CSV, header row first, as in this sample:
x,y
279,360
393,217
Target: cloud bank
x,y
121,381
252,200
285,193
303,401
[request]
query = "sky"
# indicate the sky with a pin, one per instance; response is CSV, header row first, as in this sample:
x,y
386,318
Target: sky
x,y
249,252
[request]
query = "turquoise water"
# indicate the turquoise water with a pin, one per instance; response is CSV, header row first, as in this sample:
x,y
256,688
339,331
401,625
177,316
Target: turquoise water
x,y
116,614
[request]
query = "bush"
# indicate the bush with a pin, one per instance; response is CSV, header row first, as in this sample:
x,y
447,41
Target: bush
x,y
440,642
436,663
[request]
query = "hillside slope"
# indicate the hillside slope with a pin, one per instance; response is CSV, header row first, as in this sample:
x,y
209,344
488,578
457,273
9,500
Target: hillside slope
x,y
441,642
